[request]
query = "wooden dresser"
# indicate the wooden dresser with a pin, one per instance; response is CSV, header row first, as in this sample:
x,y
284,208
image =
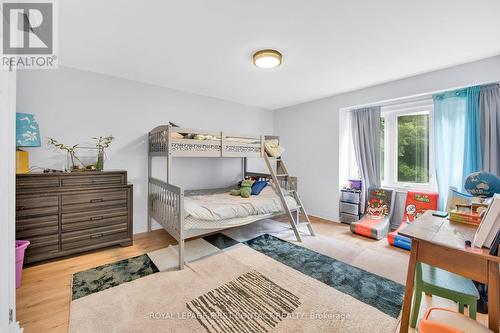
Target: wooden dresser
x,y
68,213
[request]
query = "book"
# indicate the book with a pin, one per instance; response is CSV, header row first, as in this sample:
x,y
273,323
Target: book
x,y
464,217
488,222
491,237
494,245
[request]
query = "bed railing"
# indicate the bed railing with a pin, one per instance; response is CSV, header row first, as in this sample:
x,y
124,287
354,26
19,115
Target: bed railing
x,y
183,142
166,206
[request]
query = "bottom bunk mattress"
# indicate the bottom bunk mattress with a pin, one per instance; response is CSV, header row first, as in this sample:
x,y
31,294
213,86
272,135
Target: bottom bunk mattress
x,y
213,206
191,223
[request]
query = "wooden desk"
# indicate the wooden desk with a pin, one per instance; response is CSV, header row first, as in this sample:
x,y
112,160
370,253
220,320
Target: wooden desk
x,y
438,242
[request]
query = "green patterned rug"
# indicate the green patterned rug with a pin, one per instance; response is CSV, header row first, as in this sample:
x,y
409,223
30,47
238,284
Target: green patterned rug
x,y
111,275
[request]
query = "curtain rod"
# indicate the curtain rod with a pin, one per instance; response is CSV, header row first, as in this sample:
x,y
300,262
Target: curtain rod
x,y
411,99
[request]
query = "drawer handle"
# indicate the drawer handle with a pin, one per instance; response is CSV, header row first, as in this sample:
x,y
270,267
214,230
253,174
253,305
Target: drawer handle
x,y
20,207
96,200
96,218
95,236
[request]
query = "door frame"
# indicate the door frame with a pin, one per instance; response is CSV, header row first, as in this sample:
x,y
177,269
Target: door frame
x,y
8,321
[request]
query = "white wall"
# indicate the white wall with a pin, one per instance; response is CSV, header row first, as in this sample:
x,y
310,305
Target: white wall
x,y
310,131
74,105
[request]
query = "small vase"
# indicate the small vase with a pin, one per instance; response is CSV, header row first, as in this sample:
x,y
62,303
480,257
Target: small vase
x,y
100,161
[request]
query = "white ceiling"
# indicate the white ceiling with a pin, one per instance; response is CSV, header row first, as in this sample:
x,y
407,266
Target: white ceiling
x,y
329,47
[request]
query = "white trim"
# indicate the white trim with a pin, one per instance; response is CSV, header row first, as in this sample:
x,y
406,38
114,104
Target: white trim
x,y
390,114
7,201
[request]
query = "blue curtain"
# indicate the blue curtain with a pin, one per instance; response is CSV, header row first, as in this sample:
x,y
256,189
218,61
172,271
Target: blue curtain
x,y
472,145
449,130
456,138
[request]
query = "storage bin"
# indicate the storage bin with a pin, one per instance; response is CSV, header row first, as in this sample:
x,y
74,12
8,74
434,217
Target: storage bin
x,y
21,246
350,196
356,184
349,208
348,218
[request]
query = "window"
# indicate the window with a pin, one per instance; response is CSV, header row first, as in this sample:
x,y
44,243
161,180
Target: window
x,y
406,145
413,148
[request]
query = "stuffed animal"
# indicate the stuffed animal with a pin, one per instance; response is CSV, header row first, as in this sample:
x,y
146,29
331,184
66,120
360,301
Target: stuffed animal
x,y
245,190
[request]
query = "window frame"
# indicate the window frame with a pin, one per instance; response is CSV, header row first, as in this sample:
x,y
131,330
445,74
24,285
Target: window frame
x,y
390,115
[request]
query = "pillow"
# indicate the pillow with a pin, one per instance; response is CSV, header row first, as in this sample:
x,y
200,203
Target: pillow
x,y
176,135
258,186
273,148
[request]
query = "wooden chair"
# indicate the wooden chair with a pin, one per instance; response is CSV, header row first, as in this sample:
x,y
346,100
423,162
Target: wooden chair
x,y
435,281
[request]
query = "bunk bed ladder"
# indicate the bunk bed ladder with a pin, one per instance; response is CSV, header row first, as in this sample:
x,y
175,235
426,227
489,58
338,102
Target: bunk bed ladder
x,y
281,172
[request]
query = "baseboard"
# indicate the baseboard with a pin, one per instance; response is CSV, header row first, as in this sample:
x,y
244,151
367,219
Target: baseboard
x,y
328,217
14,327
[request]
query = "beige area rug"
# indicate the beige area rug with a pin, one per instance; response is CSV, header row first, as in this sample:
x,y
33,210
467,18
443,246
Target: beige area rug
x,y
235,290
378,257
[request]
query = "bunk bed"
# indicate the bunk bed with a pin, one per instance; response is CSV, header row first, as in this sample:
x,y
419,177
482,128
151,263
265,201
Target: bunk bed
x,y
186,214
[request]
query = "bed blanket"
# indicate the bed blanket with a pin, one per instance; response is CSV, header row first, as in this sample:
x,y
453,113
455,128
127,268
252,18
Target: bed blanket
x,y
221,206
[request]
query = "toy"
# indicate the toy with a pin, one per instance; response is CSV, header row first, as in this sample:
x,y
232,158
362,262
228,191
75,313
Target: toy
x,y
375,223
415,205
245,189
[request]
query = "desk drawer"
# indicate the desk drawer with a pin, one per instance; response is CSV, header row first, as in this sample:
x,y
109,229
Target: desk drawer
x,y
94,180
38,226
36,205
94,236
93,219
93,201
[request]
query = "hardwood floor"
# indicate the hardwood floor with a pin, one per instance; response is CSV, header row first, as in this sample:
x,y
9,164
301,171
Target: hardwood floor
x,y
45,294
44,297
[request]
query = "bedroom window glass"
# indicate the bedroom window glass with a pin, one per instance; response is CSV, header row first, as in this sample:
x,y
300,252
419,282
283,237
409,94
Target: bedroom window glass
x,y
413,148
407,145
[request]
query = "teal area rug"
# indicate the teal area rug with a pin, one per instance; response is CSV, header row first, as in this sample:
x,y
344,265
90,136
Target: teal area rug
x,y
111,275
379,292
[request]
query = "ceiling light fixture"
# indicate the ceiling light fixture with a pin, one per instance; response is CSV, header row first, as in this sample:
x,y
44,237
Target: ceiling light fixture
x,y
267,58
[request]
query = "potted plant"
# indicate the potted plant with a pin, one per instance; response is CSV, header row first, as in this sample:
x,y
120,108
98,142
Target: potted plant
x,y
102,144
71,150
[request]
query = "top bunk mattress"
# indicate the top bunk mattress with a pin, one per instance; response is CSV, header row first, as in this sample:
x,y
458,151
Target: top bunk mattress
x,y
220,205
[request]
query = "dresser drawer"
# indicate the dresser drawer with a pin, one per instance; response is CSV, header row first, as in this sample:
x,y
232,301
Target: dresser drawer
x,y
29,183
43,245
94,219
39,226
94,236
36,205
94,200
93,180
